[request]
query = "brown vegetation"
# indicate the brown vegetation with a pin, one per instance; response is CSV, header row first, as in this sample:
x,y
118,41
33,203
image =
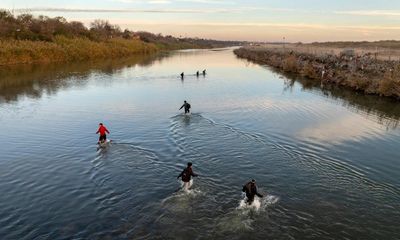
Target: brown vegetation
x,y
68,49
390,44
29,39
362,73
309,71
390,84
290,64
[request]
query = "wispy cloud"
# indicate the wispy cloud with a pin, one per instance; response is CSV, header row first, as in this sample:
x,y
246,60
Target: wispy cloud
x,y
171,1
208,1
77,10
143,1
159,2
298,25
281,25
292,26
156,10
377,13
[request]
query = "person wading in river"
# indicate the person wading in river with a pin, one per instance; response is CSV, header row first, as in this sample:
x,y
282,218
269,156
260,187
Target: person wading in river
x,y
186,176
186,106
251,190
102,130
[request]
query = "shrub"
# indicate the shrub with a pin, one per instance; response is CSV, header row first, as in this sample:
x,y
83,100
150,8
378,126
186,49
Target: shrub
x,y
390,84
290,64
309,71
68,49
358,82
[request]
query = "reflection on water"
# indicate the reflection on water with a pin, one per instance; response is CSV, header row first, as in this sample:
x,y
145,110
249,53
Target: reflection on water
x,y
385,110
327,160
34,80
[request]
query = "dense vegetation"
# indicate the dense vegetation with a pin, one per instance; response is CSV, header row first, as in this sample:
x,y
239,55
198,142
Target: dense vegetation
x,y
170,42
362,73
28,39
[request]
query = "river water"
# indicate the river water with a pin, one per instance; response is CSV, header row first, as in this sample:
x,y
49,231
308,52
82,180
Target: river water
x,y
327,160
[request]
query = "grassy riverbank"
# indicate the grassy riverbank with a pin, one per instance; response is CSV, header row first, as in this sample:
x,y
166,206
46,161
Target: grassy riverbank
x,y
64,49
28,39
363,73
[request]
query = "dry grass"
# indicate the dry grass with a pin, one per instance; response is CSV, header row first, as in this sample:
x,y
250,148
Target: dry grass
x,y
390,84
358,82
69,49
380,52
309,71
364,75
290,64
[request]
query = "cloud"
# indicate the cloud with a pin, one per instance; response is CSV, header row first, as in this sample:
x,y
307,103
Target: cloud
x,y
208,1
298,25
77,10
342,129
274,25
164,10
168,1
143,1
372,13
159,2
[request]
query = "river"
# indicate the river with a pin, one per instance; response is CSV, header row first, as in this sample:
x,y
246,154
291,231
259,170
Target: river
x,y
326,160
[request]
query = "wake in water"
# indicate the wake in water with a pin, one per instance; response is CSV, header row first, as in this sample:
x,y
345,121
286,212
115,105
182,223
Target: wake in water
x,y
187,190
181,204
183,193
258,205
243,217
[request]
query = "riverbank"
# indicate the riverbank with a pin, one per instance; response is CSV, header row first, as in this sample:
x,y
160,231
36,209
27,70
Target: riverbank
x,y
363,73
64,49
26,39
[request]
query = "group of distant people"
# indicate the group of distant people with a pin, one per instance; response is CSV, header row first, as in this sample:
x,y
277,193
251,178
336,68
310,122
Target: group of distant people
x,y
197,74
186,175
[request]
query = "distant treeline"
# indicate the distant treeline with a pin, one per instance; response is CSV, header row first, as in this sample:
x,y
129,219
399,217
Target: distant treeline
x,y
42,28
390,44
170,42
27,39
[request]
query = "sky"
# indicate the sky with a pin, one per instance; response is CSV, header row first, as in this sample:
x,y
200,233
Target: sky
x,y
250,20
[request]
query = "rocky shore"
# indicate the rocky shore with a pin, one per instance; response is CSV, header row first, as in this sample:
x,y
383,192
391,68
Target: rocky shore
x,y
364,73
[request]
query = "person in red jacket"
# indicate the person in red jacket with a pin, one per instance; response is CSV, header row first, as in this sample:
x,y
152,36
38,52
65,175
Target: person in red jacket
x,y
187,175
102,130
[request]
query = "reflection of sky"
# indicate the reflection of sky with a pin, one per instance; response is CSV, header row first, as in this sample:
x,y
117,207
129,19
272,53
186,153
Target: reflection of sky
x,y
137,104
303,20
350,127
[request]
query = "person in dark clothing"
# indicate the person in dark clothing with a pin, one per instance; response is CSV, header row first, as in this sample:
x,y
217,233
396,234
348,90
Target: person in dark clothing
x,y
102,130
251,190
204,72
197,74
182,75
186,175
186,106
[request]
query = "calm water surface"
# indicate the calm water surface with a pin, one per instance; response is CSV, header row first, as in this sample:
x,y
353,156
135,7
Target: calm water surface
x,y
327,160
